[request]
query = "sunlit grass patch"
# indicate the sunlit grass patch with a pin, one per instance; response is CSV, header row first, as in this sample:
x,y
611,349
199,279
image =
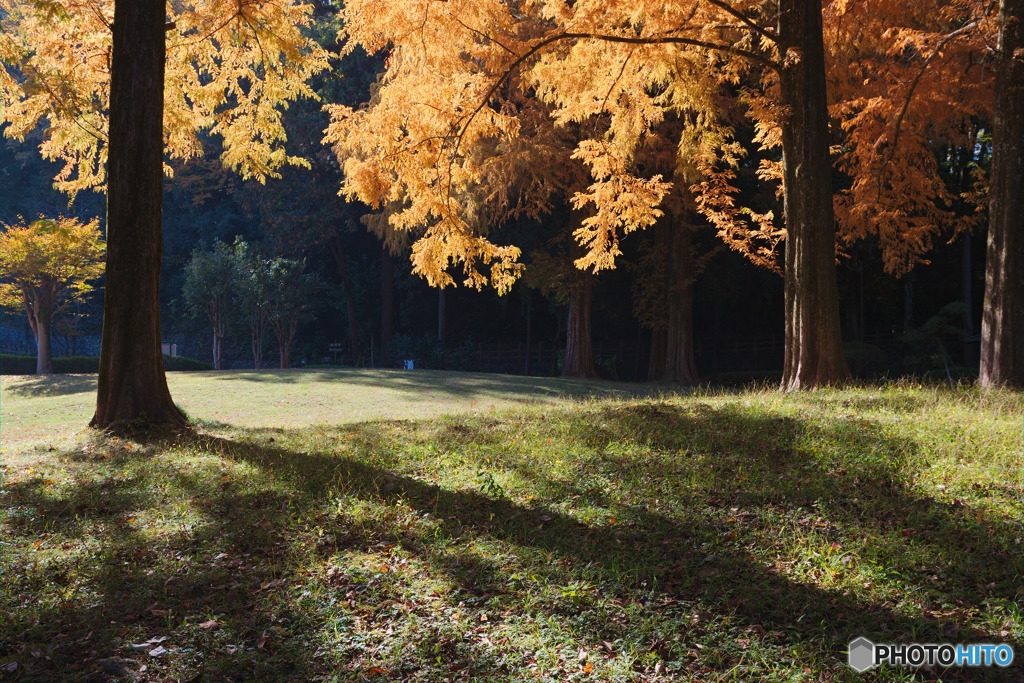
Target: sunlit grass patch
x,y
745,536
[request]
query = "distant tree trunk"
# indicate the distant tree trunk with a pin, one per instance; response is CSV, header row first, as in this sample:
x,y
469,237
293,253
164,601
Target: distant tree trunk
x,y
219,332
908,303
387,305
440,315
132,385
39,323
284,330
1002,319
579,352
678,364
814,347
257,332
41,319
338,249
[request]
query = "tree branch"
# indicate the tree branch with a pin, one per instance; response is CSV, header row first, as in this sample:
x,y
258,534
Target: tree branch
x,y
910,94
759,30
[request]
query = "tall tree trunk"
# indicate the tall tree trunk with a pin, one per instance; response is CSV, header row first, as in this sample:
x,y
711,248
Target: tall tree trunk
x,y
132,385
579,352
338,249
679,365
387,305
814,348
1002,318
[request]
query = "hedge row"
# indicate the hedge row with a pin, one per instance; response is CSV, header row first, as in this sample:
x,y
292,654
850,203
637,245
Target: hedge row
x,y
26,365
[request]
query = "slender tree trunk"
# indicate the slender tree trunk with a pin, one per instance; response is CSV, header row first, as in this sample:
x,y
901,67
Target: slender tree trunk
x,y
441,315
257,331
814,348
132,385
679,365
1002,318
579,352
338,249
387,305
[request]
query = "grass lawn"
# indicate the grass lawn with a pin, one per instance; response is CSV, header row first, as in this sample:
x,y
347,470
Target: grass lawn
x,y
62,405
712,537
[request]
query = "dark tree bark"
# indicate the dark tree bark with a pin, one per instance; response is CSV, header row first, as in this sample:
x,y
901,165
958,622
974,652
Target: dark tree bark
x,y
579,351
814,348
132,386
679,365
387,305
338,250
1002,319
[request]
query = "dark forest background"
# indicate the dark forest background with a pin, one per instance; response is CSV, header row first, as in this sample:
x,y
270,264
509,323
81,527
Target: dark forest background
x,y
924,323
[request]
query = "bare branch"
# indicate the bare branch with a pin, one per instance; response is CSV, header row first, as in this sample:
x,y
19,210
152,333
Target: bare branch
x,y
759,30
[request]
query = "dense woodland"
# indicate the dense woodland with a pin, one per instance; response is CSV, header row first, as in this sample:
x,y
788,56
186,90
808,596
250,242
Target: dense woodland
x,y
684,284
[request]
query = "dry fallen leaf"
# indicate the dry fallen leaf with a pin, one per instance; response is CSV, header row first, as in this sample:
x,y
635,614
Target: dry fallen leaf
x,y
207,625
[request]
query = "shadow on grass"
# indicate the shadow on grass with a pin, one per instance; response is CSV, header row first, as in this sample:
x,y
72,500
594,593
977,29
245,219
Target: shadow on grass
x,y
52,385
667,564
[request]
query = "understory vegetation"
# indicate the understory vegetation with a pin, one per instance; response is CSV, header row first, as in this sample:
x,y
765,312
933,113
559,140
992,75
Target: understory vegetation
x,y
712,537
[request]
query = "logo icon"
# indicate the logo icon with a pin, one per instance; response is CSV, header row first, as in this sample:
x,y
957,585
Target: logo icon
x,y
861,654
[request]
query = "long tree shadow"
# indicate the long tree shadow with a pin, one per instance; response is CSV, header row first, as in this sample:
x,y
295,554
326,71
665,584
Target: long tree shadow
x,y
657,559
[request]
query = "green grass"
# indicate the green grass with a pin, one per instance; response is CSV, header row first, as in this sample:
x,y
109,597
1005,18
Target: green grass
x,y
61,405
727,537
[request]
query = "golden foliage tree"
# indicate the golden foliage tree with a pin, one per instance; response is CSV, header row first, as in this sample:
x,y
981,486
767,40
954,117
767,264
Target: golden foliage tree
x,y
231,69
95,71
615,70
44,265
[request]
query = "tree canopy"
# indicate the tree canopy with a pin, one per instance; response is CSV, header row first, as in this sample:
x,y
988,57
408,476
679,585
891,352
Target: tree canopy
x,y
46,264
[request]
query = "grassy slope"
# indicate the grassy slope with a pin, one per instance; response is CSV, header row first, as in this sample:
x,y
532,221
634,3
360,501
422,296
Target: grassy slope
x,y
733,537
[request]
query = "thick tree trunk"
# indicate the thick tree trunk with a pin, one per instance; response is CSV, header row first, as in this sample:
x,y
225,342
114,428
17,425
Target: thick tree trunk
x,y
679,365
338,249
579,352
814,348
387,305
132,386
1002,319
